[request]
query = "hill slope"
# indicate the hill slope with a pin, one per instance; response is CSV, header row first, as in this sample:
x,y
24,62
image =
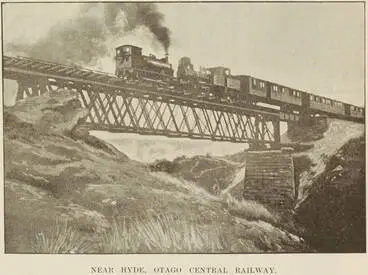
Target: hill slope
x,y
338,133
69,192
334,212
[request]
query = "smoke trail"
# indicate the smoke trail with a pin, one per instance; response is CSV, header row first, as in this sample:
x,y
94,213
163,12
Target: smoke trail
x,y
83,39
77,40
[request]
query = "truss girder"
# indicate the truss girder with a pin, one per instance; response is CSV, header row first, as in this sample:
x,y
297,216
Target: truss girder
x,y
125,113
123,110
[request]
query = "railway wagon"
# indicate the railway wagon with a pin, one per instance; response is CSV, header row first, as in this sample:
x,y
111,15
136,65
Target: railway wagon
x,y
224,85
233,88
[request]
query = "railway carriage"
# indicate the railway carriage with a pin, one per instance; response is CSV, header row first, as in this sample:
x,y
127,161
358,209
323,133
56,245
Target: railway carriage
x,y
285,94
356,112
326,105
258,87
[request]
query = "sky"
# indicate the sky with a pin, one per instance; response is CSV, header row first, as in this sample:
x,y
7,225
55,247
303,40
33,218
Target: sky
x,y
315,47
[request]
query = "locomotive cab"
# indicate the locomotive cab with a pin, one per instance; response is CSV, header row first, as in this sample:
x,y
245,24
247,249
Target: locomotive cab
x,y
127,57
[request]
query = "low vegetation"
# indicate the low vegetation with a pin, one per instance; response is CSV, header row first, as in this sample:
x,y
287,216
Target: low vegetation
x,y
250,210
145,234
298,132
334,212
61,238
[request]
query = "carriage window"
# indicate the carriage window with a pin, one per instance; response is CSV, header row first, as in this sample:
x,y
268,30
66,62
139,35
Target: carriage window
x,y
254,82
262,84
311,97
275,88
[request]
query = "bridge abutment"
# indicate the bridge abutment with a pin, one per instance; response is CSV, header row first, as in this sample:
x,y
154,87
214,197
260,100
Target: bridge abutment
x,y
269,178
307,129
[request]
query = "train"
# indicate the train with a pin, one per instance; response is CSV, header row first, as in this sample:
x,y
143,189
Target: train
x,y
218,83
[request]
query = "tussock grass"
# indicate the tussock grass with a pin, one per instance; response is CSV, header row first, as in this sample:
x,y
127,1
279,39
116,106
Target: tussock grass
x,y
249,210
149,233
59,239
161,234
121,239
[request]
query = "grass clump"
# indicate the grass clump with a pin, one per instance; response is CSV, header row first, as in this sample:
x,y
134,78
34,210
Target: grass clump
x,y
122,238
249,210
61,238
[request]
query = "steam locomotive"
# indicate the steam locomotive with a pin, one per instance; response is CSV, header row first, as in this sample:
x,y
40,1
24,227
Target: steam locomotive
x,y
218,83
132,65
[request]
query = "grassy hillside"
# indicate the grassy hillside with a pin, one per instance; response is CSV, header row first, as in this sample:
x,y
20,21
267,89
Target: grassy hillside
x,y
69,192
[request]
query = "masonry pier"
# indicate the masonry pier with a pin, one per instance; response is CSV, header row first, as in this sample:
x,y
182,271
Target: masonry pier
x,y
269,178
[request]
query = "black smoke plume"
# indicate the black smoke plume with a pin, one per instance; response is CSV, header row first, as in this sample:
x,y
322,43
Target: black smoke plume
x,y
83,39
138,14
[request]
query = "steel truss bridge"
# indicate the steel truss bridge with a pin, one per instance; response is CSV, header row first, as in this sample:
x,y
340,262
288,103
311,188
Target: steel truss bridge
x,y
143,109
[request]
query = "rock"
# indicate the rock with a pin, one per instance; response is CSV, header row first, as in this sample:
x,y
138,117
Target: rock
x,y
57,112
338,168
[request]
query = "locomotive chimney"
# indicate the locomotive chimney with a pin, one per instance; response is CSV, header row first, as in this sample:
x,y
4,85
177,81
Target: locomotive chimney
x,y
167,56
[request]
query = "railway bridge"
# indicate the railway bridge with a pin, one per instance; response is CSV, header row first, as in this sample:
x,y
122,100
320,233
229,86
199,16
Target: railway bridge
x,y
136,107
118,106
144,109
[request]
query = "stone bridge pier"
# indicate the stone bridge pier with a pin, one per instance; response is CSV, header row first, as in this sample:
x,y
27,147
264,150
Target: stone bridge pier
x,y
269,178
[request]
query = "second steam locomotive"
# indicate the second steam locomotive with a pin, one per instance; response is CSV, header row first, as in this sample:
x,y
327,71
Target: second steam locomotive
x,y
217,83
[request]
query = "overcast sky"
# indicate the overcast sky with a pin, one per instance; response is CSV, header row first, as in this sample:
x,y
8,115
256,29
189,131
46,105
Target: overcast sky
x,y
314,47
